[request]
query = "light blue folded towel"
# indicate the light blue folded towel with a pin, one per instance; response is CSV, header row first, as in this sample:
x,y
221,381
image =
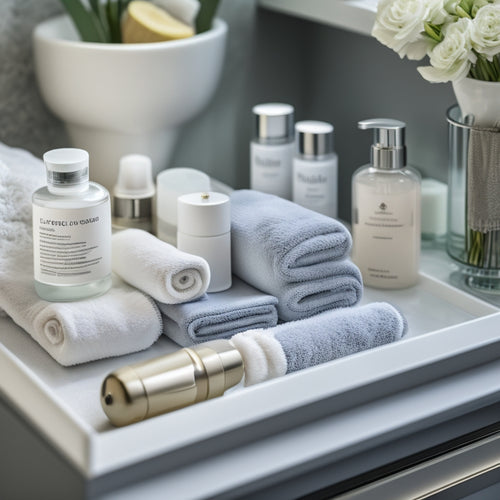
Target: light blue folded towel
x,y
219,315
293,253
293,346
335,334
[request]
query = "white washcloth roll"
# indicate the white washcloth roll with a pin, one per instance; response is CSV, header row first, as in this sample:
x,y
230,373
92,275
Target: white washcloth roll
x,y
157,268
122,321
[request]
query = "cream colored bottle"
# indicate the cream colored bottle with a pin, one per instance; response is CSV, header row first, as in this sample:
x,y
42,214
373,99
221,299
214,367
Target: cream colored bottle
x,y
386,210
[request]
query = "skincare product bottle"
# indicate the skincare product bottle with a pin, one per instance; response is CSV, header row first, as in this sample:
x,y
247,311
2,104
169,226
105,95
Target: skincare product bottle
x,y
204,229
271,150
315,168
176,380
71,230
170,184
133,194
386,210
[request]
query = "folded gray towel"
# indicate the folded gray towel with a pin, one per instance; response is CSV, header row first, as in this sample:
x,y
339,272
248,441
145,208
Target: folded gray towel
x,y
219,315
292,253
293,346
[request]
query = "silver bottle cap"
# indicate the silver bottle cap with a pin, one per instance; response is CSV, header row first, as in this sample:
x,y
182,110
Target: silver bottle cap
x,y
314,139
66,167
273,123
388,150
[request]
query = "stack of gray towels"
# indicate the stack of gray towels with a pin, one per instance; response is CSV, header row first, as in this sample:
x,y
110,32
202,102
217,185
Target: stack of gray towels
x,y
297,255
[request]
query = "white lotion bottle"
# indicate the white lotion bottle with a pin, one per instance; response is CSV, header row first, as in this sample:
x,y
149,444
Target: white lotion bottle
x,y
272,149
204,229
71,230
386,210
315,167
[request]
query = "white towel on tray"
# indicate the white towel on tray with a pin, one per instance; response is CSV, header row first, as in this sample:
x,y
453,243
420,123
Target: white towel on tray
x,y
157,268
123,320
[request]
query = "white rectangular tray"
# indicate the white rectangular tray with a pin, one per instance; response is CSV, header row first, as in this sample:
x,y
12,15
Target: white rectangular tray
x,y
449,331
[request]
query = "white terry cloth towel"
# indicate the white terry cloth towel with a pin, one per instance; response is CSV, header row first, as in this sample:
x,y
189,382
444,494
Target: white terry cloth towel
x,y
167,274
122,321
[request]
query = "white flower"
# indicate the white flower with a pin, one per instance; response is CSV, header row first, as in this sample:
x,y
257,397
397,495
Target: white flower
x,y
399,25
451,59
485,32
437,13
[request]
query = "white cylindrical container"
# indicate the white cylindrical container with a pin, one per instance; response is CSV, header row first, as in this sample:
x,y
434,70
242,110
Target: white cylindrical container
x,y
71,230
434,209
204,229
272,149
170,184
315,167
386,211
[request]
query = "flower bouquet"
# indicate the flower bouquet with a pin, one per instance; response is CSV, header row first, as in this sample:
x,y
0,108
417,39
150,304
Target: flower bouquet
x,y
461,40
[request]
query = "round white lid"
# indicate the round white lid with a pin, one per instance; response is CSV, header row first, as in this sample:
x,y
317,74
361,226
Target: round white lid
x,y
204,214
66,159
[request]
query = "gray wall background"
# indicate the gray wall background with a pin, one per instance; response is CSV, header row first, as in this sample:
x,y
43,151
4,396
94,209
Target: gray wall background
x,y
326,73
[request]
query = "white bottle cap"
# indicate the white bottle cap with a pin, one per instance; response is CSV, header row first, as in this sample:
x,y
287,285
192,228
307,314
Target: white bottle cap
x,y
135,177
67,169
204,214
66,160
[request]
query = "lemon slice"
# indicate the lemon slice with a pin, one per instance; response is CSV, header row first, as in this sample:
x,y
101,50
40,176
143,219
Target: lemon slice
x,y
145,22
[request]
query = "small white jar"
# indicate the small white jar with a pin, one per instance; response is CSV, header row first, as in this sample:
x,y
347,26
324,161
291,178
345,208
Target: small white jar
x,y
204,229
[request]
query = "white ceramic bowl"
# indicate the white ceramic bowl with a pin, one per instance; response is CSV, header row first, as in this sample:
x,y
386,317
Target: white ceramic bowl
x,y
117,99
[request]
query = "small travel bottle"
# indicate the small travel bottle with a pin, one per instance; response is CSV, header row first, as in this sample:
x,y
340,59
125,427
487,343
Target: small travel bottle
x,y
71,230
386,210
204,229
315,168
133,194
272,149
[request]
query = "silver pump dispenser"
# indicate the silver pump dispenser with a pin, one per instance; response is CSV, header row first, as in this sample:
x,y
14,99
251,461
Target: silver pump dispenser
x,y
388,150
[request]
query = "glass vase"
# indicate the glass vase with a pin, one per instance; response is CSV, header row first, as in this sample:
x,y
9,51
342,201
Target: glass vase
x,y
477,253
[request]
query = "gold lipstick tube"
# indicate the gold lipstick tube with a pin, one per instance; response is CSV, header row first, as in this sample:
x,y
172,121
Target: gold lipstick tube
x,y
190,375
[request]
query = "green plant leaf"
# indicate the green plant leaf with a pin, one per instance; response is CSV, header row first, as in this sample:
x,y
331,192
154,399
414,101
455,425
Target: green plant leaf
x,y
113,17
434,31
208,8
86,21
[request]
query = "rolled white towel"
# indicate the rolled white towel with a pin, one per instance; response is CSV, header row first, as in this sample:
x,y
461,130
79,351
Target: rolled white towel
x,y
121,321
157,268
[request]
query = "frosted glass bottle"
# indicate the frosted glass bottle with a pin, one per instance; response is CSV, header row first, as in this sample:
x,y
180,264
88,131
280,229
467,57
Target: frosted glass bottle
x,y
272,149
386,211
71,230
315,168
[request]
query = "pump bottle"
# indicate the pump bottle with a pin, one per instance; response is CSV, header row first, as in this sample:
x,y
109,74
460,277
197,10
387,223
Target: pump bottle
x,y
386,210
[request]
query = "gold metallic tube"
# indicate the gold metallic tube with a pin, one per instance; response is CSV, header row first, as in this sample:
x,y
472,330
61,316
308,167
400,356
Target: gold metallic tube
x,y
190,375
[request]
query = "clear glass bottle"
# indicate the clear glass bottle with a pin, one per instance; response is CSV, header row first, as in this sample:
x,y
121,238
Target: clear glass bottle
x,y
315,168
71,230
272,149
386,211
